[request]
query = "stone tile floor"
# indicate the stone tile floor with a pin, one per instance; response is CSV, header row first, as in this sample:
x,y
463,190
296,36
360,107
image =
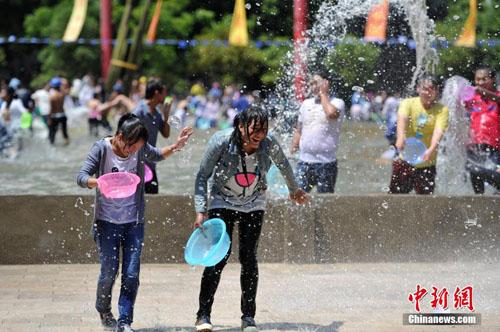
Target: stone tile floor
x,y
320,298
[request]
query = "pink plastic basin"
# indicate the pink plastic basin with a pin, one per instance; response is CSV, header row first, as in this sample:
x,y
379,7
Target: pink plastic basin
x,y
118,185
467,93
148,174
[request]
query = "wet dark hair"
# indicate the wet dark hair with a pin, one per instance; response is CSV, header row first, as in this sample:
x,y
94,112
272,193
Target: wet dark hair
x,y
132,129
11,92
434,80
321,73
254,114
153,86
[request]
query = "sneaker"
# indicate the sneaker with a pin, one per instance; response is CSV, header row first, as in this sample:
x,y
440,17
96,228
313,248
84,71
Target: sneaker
x,y
248,324
122,327
107,320
203,324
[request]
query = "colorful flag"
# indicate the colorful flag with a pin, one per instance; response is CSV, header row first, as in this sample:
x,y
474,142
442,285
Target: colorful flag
x,y
153,26
468,36
376,25
238,34
76,21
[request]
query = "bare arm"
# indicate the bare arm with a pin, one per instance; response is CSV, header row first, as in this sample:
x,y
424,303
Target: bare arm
x,y
165,109
181,141
331,111
296,138
437,135
402,123
107,105
489,94
125,101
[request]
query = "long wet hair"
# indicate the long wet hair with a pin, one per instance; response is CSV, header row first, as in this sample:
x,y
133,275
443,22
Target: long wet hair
x,y
132,129
253,114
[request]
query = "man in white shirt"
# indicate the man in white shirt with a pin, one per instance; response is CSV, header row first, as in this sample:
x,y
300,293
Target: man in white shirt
x,y
317,137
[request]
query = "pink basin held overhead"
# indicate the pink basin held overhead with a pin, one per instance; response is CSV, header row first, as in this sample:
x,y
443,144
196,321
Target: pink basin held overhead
x,y
467,93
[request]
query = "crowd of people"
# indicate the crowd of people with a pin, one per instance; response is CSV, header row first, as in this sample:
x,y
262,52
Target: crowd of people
x,y
231,181
317,132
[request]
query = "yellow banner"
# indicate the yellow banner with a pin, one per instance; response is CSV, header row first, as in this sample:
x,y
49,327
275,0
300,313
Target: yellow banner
x,y
123,64
76,21
238,34
153,26
376,25
468,36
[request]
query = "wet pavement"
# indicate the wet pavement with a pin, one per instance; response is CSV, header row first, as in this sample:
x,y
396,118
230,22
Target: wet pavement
x,y
338,297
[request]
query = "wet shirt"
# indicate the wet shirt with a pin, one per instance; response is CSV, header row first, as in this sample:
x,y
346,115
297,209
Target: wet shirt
x,y
240,191
42,101
422,122
320,136
16,110
484,121
118,210
153,121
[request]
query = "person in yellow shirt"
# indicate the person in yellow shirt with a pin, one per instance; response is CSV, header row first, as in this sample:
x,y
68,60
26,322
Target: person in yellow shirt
x,y
426,119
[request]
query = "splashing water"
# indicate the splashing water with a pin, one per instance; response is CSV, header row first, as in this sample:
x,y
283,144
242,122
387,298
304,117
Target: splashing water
x,y
79,206
331,27
452,178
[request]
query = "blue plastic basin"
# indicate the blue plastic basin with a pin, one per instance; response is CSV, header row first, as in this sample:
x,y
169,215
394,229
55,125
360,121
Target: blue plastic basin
x,y
208,247
414,151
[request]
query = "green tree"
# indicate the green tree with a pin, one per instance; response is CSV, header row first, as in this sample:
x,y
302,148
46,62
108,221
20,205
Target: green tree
x,y
462,60
60,59
179,20
353,64
255,68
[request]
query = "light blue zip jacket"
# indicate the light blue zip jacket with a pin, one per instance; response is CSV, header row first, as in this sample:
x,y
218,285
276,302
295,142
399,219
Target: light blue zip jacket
x,y
94,165
222,158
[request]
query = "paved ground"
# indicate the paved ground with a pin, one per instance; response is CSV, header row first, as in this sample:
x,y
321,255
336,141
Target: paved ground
x,y
321,298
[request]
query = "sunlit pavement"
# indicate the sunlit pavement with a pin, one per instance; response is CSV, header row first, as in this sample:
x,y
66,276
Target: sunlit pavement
x,y
339,297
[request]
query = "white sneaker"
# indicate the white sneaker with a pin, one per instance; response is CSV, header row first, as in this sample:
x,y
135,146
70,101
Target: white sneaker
x,y
203,324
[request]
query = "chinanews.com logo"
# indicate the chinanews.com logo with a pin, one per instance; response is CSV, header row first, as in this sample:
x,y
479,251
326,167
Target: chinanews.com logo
x,y
440,308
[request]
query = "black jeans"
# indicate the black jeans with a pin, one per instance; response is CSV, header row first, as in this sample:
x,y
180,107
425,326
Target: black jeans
x,y
249,227
482,164
54,125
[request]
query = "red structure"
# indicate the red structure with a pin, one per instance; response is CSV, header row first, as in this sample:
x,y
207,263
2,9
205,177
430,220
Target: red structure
x,y
299,29
106,38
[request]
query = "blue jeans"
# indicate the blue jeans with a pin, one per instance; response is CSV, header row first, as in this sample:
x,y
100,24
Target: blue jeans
x,y
321,175
110,238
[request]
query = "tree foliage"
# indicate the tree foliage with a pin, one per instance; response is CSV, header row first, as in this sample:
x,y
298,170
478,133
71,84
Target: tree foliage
x,y
210,19
181,20
461,60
